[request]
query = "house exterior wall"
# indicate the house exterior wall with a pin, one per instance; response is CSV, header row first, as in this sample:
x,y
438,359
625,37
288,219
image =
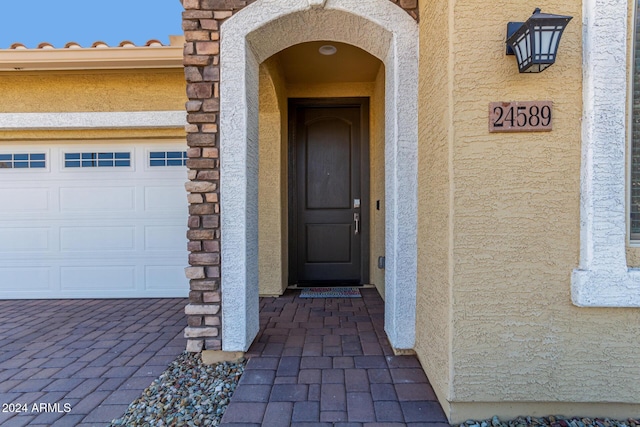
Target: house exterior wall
x,y
435,264
603,277
499,222
499,233
99,90
91,91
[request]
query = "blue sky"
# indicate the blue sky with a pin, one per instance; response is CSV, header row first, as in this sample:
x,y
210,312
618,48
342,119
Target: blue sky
x,y
86,21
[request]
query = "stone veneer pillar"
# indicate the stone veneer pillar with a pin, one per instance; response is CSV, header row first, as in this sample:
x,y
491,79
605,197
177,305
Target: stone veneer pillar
x,y
201,22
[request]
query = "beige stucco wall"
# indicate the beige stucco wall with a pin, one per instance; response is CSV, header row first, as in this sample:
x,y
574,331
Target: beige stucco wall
x,y
633,254
377,180
272,181
101,90
272,189
433,297
499,232
92,91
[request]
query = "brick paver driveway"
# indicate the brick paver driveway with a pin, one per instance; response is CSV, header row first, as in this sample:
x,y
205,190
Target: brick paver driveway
x,y
81,362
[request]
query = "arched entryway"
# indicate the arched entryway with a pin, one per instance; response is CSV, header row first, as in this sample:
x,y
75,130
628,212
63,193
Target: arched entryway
x,y
247,39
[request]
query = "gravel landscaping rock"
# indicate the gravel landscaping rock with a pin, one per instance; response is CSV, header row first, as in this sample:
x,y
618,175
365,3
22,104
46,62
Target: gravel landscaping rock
x,y
188,393
552,421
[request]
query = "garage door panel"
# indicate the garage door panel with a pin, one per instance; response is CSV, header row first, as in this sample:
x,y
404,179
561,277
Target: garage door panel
x,y
165,199
159,277
98,277
164,238
25,279
93,232
23,200
24,239
97,199
97,238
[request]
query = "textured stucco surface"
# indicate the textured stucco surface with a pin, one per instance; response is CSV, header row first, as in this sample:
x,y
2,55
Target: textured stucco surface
x,y
377,180
92,105
73,91
269,26
433,304
272,182
510,204
239,194
511,410
330,90
603,278
633,255
515,223
92,120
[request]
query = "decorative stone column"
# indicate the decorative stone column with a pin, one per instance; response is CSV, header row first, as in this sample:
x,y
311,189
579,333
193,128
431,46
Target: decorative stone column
x,y
201,22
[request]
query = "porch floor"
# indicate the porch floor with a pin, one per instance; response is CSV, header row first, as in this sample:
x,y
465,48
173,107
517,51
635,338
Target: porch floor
x,y
325,362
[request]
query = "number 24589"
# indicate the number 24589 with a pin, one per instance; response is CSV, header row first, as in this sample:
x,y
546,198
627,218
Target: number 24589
x,y
520,116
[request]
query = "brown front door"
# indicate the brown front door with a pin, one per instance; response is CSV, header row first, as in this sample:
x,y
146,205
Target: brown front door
x,y
328,191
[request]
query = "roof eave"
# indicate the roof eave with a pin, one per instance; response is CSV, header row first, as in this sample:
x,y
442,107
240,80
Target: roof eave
x,y
111,58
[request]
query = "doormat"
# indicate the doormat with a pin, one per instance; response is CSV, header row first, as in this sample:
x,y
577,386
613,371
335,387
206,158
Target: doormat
x,y
330,293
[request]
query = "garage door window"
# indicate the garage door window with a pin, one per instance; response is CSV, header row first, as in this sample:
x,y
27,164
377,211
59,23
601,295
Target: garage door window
x,y
97,160
167,158
23,161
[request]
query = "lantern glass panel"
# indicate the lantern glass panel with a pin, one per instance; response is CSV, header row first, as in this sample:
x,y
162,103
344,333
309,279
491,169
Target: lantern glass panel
x,y
547,40
523,49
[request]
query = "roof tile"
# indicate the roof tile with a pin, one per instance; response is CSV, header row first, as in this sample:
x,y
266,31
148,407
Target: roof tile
x,y
96,45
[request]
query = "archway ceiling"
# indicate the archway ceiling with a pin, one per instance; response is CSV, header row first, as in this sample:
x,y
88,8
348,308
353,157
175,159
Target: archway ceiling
x,y
302,63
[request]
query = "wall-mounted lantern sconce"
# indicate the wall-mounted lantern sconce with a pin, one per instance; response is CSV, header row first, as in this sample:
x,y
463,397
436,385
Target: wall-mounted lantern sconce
x,y
535,42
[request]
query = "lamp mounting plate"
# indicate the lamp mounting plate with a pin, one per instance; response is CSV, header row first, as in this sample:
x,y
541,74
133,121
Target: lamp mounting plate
x,y
512,27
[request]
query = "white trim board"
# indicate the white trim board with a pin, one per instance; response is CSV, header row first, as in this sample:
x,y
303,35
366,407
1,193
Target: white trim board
x,y
603,278
93,120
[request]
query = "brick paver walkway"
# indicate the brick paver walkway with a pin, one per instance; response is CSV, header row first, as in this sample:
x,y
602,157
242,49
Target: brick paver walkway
x,y
96,356
324,362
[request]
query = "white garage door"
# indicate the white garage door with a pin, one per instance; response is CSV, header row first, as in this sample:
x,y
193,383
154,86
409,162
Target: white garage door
x,y
93,221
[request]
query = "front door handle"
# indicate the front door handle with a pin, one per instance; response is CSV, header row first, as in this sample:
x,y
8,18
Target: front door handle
x,y
356,220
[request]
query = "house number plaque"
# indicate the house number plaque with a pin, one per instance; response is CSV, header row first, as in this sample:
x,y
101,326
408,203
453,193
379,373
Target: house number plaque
x,y
520,116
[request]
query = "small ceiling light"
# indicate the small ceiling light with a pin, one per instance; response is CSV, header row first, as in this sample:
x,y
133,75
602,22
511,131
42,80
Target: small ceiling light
x,y
327,49
535,42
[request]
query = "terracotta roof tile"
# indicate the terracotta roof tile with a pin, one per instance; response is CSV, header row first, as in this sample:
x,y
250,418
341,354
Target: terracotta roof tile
x,y
98,44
